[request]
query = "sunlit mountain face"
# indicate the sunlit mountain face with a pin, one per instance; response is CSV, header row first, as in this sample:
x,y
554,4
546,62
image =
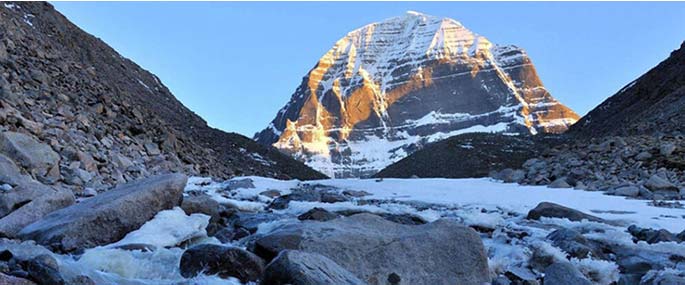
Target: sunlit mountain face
x,y
388,88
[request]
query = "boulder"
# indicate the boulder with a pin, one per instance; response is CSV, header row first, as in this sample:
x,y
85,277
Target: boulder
x,y
643,156
657,183
509,175
626,190
108,217
223,261
20,195
302,268
667,149
575,244
203,204
9,172
44,270
54,199
317,214
563,273
377,250
559,183
28,152
651,235
551,210
239,184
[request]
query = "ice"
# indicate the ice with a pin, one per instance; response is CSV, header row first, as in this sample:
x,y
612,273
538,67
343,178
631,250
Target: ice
x,y
167,228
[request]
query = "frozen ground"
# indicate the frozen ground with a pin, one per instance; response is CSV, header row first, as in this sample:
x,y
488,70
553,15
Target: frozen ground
x,y
495,209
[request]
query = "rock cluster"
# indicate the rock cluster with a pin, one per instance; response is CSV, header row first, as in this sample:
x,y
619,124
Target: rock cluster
x,y
646,167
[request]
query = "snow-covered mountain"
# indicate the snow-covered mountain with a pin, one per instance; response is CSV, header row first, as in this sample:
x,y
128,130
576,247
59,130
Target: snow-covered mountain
x,y
388,88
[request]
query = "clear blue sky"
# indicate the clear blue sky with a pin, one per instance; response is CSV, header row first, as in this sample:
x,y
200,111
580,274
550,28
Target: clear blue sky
x,y
236,64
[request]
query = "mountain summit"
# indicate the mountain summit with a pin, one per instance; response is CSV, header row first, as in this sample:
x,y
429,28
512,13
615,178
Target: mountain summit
x,y
388,88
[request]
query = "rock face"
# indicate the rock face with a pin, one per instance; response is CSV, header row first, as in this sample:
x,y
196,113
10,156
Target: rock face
x,y
301,268
109,216
377,250
75,112
652,104
388,88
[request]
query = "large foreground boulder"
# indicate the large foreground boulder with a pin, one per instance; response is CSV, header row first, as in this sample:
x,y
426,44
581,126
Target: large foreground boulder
x,y
382,252
302,268
109,216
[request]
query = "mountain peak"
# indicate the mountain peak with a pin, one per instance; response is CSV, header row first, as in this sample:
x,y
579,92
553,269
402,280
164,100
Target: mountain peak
x,y
386,89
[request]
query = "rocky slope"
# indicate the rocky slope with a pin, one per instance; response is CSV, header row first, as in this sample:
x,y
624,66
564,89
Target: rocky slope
x,y
388,88
652,104
75,112
630,145
467,155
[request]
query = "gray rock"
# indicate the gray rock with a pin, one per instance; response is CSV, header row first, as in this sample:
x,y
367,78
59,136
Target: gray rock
x,y
374,249
28,152
563,273
54,199
251,221
572,242
626,190
302,268
559,183
108,217
44,270
509,175
657,183
21,195
640,261
551,210
203,204
667,149
9,172
643,156
271,193
355,193
223,261
239,183
650,235
317,214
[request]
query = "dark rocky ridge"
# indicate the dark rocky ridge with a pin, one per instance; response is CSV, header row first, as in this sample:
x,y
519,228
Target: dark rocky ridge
x,y
652,104
109,120
468,155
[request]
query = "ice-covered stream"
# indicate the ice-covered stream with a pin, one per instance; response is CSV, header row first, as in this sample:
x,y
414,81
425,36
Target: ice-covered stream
x,y
481,203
